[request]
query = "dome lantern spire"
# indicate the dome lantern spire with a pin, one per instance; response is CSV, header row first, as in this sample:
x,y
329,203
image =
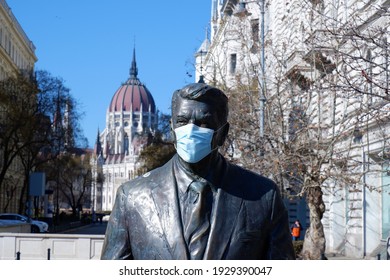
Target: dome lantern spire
x,y
133,69
131,94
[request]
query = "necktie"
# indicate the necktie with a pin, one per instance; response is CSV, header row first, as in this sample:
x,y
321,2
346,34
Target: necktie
x,y
198,218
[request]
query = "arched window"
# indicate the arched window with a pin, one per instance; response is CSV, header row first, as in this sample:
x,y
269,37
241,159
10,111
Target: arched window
x,y
126,144
233,63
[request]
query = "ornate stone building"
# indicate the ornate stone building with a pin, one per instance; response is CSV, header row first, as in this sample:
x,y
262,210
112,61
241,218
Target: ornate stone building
x,y
131,119
17,51
322,68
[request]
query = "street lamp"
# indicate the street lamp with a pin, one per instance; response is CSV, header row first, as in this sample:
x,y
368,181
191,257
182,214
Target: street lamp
x,y
201,77
262,79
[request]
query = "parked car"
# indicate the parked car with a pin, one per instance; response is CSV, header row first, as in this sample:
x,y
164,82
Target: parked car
x,y
36,226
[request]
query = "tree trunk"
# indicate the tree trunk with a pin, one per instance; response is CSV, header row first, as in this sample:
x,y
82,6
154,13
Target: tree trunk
x,y
314,243
23,198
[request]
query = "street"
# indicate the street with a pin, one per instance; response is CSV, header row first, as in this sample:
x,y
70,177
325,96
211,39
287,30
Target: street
x,y
96,228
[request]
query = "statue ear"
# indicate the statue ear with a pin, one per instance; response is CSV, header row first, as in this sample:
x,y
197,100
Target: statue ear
x,y
222,134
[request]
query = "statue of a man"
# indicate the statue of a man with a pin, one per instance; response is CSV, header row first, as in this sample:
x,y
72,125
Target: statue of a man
x,y
198,205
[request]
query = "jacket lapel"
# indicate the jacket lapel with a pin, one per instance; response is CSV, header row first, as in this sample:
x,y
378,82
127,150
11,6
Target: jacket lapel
x,y
167,206
227,207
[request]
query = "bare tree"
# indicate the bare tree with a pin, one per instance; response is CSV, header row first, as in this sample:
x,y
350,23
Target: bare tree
x,y
33,129
75,179
19,117
160,149
318,106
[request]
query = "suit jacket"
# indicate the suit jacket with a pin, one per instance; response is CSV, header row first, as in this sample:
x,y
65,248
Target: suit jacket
x,y
250,220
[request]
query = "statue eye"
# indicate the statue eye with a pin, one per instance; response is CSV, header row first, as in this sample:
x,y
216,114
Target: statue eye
x,y
181,121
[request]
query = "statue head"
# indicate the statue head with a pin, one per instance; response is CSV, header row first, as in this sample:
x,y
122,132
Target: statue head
x,y
199,117
203,93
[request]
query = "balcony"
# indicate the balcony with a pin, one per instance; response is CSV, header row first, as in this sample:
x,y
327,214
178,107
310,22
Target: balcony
x,y
298,71
319,58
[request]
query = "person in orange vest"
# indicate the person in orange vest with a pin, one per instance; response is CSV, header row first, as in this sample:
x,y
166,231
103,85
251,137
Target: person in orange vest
x,y
296,230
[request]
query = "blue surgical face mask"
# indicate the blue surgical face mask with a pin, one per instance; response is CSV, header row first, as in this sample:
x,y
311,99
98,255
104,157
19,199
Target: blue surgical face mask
x,y
193,143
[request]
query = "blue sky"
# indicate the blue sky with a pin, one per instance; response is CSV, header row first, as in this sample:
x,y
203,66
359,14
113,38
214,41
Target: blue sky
x,y
89,43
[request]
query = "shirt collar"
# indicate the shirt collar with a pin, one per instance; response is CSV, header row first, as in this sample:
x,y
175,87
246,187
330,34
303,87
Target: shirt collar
x,y
184,177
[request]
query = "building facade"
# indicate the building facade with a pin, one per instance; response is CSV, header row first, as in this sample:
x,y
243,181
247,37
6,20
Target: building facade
x,y
319,73
17,51
131,120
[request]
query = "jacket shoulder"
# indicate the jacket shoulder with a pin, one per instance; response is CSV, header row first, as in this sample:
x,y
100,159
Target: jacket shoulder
x,y
147,181
251,185
251,178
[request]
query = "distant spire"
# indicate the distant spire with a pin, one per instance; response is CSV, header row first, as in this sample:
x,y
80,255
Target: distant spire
x,y
98,145
133,69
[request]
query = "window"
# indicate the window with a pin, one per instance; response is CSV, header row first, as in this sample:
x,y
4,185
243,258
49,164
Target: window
x,y
233,63
6,42
296,121
255,30
126,144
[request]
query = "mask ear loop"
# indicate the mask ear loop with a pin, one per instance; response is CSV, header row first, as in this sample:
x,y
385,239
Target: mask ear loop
x,y
215,133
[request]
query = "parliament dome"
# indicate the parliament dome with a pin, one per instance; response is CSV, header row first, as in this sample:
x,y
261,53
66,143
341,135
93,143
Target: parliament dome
x,y
132,95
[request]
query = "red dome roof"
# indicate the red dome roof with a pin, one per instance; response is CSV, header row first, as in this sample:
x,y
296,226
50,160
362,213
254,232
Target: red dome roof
x,y
132,95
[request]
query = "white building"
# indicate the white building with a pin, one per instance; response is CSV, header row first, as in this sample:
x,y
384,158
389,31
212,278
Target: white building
x,y
17,51
331,59
131,119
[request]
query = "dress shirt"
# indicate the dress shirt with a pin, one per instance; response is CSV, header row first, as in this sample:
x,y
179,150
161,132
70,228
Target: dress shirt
x,y
183,181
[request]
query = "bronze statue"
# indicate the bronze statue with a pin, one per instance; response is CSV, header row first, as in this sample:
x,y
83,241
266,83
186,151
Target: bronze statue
x,y
198,205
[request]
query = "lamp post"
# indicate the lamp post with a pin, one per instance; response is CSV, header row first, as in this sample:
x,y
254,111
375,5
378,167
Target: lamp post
x,y
201,77
262,78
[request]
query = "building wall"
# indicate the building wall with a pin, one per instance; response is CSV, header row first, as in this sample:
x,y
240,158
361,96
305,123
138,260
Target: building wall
x,y
116,175
120,155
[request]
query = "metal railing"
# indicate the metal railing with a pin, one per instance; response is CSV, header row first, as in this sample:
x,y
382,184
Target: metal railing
x,y
18,254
